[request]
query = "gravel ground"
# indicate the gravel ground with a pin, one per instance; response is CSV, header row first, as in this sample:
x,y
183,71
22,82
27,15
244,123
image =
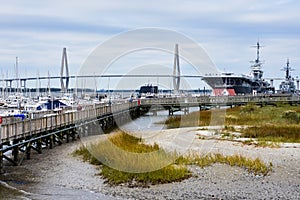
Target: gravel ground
x,y
56,174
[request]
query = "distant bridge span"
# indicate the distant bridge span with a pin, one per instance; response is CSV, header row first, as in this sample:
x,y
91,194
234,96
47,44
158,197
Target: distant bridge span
x,y
100,76
109,76
23,80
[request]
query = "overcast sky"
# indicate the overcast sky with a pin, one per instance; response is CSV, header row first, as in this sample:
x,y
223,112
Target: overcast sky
x,y
36,31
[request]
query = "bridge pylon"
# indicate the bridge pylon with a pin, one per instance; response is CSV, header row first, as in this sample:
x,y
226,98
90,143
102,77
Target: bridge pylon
x,y
64,65
176,71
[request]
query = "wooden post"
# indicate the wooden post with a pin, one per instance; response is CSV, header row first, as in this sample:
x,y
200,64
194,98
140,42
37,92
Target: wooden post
x,y
39,146
15,152
154,112
1,152
60,137
171,111
28,148
185,110
51,141
68,136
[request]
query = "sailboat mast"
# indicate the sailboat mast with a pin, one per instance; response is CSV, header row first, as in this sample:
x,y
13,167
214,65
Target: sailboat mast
x,y
17,74
2,84
49,87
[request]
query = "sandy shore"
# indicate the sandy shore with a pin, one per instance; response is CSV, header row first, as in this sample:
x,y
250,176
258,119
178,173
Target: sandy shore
x,y
56,174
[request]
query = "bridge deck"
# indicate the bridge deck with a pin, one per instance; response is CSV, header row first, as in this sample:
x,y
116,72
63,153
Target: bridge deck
x,y
218,100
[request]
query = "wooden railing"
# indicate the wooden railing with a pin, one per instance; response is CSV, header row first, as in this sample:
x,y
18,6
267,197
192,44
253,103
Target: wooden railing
x,y
218,100
12,128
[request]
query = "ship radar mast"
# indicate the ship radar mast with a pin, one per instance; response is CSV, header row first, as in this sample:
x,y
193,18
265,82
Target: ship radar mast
x,y
287,70
256,67
257,52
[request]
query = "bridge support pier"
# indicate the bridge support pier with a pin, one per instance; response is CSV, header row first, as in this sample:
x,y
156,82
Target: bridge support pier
x,y
200,108
23,85
171,112
173,109
9,85
154,112
186,110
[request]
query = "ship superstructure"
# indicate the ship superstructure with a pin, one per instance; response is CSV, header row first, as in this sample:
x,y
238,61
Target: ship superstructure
x,y
240,84
288,85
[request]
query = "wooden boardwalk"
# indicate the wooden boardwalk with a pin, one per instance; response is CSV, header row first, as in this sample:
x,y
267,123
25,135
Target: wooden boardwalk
x,y
18,128
206,102
220,100
20,136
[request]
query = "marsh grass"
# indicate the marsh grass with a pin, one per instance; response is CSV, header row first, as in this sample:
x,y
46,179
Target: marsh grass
x,y
131,143
279,123
273,133
192,119
270,125
167,174
255,166
172,172
126,159
255,115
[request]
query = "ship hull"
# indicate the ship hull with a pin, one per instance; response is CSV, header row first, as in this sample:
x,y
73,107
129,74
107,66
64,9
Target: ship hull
x,y
231,84
232,90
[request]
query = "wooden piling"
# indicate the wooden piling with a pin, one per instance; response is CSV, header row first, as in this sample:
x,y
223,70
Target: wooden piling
x,y
28,150
51,141
39,146
15,151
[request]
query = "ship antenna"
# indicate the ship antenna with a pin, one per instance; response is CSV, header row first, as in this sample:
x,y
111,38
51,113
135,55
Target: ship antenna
x,y
287,70
287,75
257,60
256,67
257,53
